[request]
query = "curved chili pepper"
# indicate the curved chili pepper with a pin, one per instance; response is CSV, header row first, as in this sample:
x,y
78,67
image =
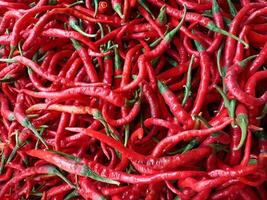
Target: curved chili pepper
x,y
101,92
233,87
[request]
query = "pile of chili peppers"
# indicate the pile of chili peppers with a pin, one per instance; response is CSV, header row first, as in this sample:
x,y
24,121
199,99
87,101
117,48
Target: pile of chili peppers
x,y
133,99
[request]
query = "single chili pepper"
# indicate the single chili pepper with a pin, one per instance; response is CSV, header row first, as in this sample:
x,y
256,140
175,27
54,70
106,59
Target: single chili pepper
x,y
172,162
127,64
5,112
242,120
195,6
233,87
176,108
170,141
235,154
160,122
239,49
87,189
100,92
205,69
122,121
86,60
187,86
58,190
233,172
247,150
258,62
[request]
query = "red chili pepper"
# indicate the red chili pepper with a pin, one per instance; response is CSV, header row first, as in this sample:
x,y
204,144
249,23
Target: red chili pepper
x,y
176,108
86,60
205,65
107,91
101,92
168,142
233,87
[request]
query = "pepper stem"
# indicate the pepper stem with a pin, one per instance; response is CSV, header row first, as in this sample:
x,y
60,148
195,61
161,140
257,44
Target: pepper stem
x,y
232,8
12,49
264,112
187,86
199,46
142,3
171,34
86,171
162,87
117,8
53,170
216,29
29,125
76,27
244,62
162,17
242,121
215,7
76,44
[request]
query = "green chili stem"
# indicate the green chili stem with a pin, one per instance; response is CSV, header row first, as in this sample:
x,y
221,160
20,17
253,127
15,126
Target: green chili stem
x,y
242,121
232,8
187,86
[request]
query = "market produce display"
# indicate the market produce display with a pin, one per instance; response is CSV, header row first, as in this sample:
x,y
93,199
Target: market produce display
x,y
133,99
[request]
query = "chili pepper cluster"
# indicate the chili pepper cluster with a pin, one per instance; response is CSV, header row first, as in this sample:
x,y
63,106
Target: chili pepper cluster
x,y
133,99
